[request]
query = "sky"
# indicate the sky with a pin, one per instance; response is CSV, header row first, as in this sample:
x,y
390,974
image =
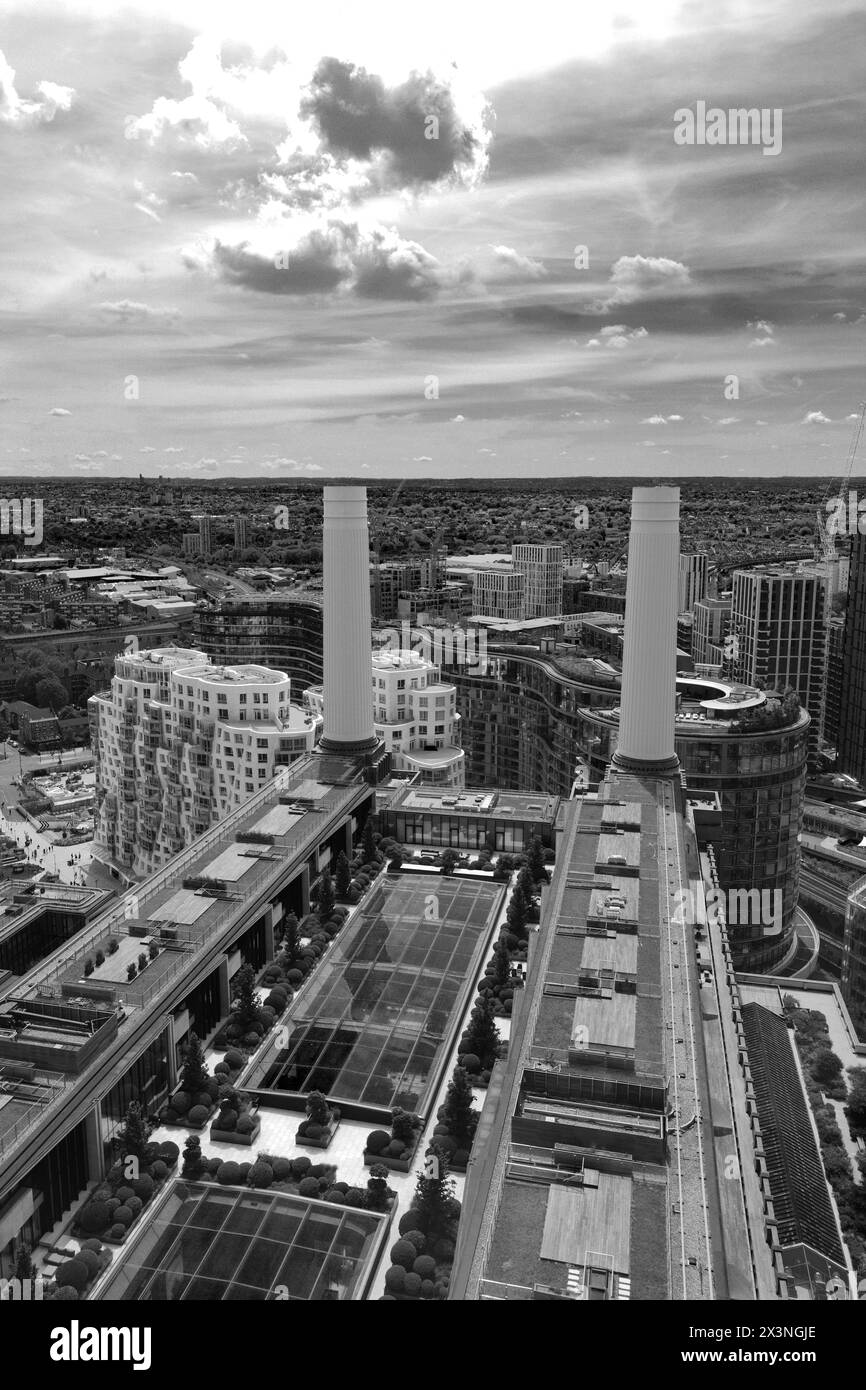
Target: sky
x,y
409,241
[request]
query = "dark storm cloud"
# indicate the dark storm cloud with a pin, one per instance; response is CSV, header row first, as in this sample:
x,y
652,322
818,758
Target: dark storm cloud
x,y
356,115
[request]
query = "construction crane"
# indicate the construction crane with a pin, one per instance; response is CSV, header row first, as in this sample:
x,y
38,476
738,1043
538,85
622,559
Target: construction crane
x,y
826,533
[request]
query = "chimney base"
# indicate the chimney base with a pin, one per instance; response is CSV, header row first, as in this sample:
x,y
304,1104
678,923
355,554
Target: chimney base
x,y
662,767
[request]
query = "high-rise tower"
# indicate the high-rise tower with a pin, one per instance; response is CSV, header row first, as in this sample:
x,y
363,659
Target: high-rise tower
x,y
646,724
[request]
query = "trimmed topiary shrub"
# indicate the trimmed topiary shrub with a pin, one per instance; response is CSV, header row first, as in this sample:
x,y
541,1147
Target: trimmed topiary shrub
x,y
246,1124
409,1221
92,1244
91,1262
261,1175
124,1216
469,1062
94,1217
282,1169
158,1170
143,1187
354,1197
228,1174
412,1286
244,1169
300,1166
169,1116
378,1140
117,1232
181,1102
227,1120
169,1152
404,1253
395,1148
313,1131
123,1193
418,1240
114,1202
425,1266
308,1187
234,1059
198,1114
395,1279
134,1203
72,1273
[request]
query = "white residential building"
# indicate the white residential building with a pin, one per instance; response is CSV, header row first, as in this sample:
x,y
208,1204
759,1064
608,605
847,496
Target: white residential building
x,y
179,742
415,716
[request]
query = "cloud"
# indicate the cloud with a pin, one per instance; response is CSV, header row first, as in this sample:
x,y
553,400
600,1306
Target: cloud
x,y
816,417
729,420
130,311
765,331
374,263
58,410
617,335
18,111
661,419
173,449
412,133
422,458
147,449
457,419
634,278
82,458
511,265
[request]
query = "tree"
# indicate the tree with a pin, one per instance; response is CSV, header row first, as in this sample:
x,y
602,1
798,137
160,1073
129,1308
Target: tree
x,y
290,944
246,1005
51,692
535,862
517,915
482,1037
23,1264
318,1109
459,1112
377,1188
193,1162
827,1067
342,876
193,1075
449,861
434,1193
501,966
368,844
326,896
133,1137
525,886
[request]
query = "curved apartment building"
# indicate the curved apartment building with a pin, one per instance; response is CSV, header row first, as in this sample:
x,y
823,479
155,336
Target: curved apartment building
x,y
282,632
550,725
178,743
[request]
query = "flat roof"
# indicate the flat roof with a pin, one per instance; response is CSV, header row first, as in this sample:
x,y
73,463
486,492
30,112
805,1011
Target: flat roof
x,y
589,1225
223,1244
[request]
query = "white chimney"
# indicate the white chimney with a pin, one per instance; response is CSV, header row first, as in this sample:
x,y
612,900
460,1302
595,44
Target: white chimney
x,y
348,695
647,706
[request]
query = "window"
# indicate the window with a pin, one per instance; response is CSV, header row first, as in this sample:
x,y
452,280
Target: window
x,y
222,697
257,699
242,699
263,757
261,743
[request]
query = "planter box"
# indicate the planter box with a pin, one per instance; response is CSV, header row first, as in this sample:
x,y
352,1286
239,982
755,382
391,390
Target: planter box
x,y
396,1165
231,1136
323,1142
